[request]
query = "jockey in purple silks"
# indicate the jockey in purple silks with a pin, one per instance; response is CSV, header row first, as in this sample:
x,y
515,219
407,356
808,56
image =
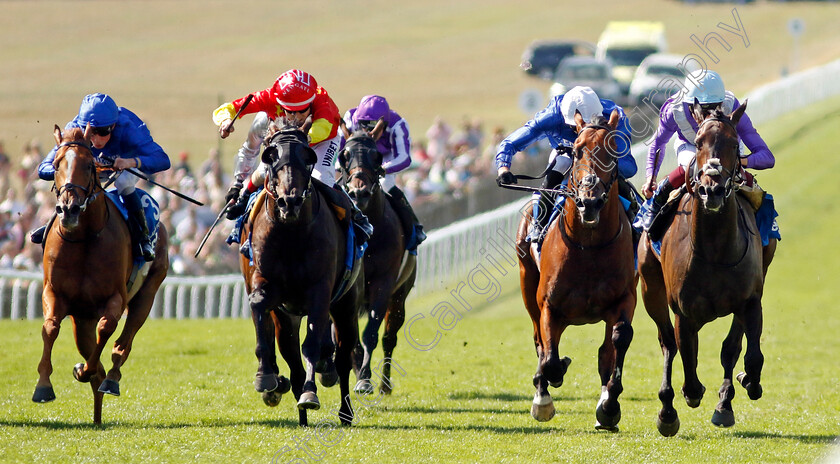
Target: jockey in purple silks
x,y
395,146
675,117
121,140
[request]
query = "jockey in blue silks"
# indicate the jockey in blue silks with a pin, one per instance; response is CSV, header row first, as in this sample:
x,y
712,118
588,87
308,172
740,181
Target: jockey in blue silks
x,y
557,123
120,140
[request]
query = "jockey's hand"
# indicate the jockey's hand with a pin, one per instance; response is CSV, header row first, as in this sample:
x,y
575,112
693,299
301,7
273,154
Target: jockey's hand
x,y
649,187
233,193
124,163
505,177
225,128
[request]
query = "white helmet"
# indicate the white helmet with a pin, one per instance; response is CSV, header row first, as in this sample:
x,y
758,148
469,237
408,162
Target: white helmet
x,y
582,99
706,86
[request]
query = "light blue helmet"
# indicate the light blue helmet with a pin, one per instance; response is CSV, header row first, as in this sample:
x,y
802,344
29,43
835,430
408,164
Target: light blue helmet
x,y
99,110
706,86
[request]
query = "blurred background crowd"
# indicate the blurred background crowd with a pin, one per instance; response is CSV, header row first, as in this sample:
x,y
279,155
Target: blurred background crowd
x,y
448,161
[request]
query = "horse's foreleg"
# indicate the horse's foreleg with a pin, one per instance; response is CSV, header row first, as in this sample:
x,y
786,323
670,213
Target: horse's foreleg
x,y
105,327
53,314
692,389
551,368
317,322
729,353
84,331
393,323
262,301
753,359
378,295
347,333
653,295
611,366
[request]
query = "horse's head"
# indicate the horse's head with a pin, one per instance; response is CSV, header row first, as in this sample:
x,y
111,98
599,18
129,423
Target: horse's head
x,y
76,181
361,163
717,159
289,181
595,167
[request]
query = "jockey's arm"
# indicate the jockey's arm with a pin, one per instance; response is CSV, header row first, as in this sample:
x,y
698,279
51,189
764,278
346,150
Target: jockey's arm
x,y
760,156
400,148
248,155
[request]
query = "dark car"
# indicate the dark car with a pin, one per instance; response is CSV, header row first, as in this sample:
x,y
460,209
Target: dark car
x,y
542,56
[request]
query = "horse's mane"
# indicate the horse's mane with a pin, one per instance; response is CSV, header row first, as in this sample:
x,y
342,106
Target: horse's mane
x,y
598,120
73,134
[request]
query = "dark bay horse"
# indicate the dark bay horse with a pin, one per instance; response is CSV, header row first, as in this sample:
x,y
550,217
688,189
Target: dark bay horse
x,y
299,249
390,270
87,262
710,266
585,274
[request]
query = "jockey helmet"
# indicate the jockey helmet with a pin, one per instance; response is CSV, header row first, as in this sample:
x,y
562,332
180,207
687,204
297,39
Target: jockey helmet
x,y
371,108
582,99
706,86
294,90
98,110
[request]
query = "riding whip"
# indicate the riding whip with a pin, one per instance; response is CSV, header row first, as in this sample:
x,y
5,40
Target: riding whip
x,y
207,235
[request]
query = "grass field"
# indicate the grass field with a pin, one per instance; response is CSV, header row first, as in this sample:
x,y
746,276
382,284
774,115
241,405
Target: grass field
x,y
187,393
172,61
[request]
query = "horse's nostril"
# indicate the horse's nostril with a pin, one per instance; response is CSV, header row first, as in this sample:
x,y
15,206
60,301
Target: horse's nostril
x,y
718,190
57,209
75,209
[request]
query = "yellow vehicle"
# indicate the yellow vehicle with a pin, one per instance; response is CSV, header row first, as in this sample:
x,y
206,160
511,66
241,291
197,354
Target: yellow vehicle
x,y
626,44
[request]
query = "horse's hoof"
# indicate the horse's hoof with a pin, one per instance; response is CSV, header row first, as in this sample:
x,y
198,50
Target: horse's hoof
x,y
542,409
385,388
266,382
667,429
605,421
43,394
694,402
329,378
364,387
284,385
565,361
77,373
272,398
309,400
723,418
111,387
754,390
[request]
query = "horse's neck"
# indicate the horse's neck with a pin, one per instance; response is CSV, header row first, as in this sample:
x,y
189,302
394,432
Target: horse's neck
x,y
609,222
716,236
375,210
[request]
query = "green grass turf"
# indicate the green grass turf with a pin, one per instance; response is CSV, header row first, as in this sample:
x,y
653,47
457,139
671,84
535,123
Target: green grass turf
x,y
187,393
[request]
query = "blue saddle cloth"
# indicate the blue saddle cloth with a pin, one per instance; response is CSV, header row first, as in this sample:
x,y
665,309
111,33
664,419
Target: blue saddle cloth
x,y
150,208
765,219
352,258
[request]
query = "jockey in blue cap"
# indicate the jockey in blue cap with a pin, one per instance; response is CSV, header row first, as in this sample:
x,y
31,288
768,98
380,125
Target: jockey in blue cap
x,y
395,146
557,123
119,140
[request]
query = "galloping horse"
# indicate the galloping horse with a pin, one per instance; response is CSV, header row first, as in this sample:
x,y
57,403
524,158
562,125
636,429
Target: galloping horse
x,y
299,249
390,270
87,263
585,274
710,266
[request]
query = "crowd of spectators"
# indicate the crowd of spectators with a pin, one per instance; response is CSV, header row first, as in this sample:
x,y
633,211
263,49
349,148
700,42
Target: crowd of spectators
x,y
444,164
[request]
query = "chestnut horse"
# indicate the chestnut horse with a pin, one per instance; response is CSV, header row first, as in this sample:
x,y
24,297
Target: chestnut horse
x,y
390,270
710,266
299,249
585,274
87,263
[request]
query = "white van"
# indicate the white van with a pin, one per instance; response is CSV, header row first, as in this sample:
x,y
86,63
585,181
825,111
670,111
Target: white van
x,y
626,44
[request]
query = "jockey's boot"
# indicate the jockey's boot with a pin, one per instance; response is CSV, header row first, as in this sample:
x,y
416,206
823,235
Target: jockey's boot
x,y
338,197
406,214
138,218
663,190
545,206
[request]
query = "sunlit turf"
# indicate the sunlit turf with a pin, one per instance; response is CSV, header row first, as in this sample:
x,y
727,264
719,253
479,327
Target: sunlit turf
x,y
187,393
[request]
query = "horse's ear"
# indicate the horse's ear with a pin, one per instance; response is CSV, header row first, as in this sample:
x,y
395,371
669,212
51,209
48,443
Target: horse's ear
x,y
697,111
269,155
377,159
378,129
614,117
344,130
310,157
57,134
579,122
736,116
306,125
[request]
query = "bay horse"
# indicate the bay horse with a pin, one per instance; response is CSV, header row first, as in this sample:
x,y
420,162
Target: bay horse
x,y
390,270
711,265
585,273
299,249
87,263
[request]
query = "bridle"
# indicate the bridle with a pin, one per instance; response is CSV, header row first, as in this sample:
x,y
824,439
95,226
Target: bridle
x,y
573,192
271,176
712,167
360,166
90,193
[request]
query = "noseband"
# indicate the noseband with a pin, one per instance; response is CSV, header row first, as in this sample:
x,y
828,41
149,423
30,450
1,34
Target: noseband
x,y
607,185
